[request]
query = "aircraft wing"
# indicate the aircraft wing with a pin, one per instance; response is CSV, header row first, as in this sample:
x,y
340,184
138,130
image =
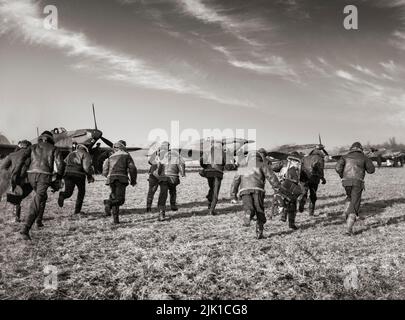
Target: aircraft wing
x,y
336,157
277,155
6,149
132,149
373,155
282,152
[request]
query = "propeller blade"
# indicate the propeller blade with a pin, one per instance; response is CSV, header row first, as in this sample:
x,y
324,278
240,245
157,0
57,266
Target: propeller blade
x,y
94,117
107,142
320,143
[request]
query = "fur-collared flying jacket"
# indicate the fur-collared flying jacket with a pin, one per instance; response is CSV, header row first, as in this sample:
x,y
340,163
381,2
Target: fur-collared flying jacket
x,y
252,176
120,166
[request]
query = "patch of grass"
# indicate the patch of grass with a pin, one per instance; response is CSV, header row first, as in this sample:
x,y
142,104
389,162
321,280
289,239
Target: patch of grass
x,y
197,256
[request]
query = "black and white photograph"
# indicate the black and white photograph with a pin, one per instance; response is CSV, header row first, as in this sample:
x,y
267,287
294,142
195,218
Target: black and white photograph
x,y
221,152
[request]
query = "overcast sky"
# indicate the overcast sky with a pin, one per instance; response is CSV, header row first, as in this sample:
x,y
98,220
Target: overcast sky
x,y
288,69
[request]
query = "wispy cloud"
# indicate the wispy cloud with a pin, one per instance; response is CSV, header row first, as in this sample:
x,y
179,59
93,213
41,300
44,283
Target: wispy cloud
x,y
274,65
364,70
346,75
246,52
389,66
250,55
208,14
24,19
319,68
360,92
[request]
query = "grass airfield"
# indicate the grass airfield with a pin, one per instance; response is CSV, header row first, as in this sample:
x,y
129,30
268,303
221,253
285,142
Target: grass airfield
x,y
196,256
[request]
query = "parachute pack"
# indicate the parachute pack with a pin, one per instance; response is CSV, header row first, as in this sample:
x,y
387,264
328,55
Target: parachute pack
x,y
313,165
290,187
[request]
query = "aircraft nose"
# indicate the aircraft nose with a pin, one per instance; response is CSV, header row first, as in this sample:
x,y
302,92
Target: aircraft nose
x,y
97,134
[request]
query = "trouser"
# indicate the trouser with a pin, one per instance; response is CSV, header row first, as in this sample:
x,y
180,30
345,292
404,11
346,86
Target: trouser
x,y
214,184
70,183
312,187
165,188
288,209
277,205
353,199
253,204
291,208
153,186
26,191
117,195
40,183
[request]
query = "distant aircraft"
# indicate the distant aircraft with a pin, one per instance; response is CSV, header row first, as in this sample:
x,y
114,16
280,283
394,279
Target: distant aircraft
x,y
64,140
194,150
282,152
392,157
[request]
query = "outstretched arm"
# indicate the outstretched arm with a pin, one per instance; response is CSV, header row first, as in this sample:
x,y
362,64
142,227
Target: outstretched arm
x,y
60,164
106,167
271,177
340,167
133,171
370,168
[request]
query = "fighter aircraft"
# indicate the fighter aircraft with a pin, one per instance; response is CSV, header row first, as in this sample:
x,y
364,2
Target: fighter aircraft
x,y
392,157
282,152
194,150
65,139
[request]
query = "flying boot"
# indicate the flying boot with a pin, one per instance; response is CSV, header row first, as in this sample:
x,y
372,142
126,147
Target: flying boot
x,y
246,219
311,209
349,224
25,234
61,200
301,207
291,221
162,215
18,213
107,208
115,213
259,230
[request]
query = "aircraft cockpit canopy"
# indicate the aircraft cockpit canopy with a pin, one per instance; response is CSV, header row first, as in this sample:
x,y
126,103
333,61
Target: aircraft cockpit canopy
x,y
59,130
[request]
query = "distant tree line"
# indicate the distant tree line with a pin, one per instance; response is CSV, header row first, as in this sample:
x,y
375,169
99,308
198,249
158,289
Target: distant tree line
x,y
390,144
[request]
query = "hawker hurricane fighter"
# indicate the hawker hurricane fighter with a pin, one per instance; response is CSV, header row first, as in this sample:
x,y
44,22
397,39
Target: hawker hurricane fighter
x,y
64,140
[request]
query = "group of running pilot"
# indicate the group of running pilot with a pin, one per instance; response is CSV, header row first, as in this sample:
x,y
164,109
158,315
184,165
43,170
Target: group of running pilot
x,y
33,168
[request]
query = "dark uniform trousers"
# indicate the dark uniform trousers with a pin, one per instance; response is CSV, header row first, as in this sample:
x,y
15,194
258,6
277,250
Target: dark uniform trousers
x,y
26,191
291,210
285,207
253,203
40,183
214,184
312,186
72,181
353,199
165,188
117,196
153,186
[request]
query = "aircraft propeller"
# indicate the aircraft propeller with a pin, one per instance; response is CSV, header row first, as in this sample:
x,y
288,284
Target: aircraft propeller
x,y
105,140
322,146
